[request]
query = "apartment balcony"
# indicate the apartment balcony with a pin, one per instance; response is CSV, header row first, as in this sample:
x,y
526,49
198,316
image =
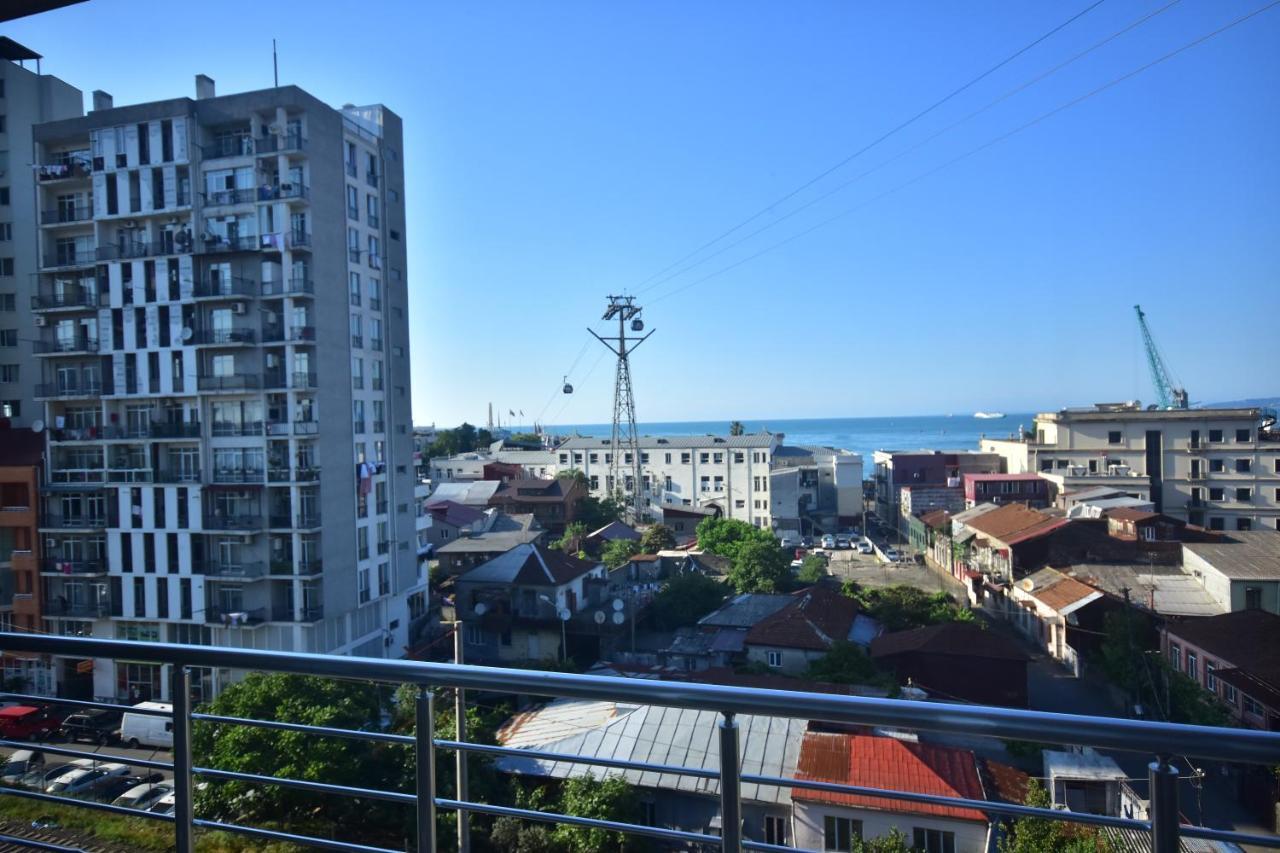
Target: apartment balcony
x,y
291,192
76,477
297,474
289,334
64,609
244,522
238,476
232,287
228,146
222,337
228,384
232,571
301,380
81,568
173,431
384,548
72,169
379,426
132,250
178,475
719,771
300,568
298,241
77,346
215,615
284,613
279,144
130,475
293,428
69,260
69,299
66,215
230,198
214,244
82,523
299,286
226,429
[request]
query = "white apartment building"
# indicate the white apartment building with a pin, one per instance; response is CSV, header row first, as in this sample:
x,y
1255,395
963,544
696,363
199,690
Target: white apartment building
x,y
211,260
1219,468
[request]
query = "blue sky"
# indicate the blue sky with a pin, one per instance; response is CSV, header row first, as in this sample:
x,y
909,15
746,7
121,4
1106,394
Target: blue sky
x,y
557,152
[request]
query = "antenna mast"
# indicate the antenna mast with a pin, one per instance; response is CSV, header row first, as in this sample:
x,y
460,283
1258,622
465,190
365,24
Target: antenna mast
x,y
624,457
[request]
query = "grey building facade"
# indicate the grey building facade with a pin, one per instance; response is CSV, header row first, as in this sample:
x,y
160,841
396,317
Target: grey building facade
x,y
222,334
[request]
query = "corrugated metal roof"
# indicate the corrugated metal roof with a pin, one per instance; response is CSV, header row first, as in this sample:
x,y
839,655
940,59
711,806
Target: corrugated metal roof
x,y
653,734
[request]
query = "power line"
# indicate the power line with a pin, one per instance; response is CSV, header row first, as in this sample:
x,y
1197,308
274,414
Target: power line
x,y
645,285
917,146
984,146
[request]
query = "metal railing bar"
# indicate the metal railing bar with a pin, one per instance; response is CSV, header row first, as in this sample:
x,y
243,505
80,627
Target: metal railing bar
x,y
71,802
324,731
305,785
306,840
82,703
952,802
1246,746
573,820
570,758
1188,831
748,844
38,845
100,757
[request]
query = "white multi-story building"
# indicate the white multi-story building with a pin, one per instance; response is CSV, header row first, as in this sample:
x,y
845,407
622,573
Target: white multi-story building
x,y
216,259
1219,468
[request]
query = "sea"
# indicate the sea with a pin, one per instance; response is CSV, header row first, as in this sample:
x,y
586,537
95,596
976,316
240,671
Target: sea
x,y
859,435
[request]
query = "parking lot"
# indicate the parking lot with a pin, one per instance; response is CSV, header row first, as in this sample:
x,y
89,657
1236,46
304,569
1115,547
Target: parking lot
x,y
869,570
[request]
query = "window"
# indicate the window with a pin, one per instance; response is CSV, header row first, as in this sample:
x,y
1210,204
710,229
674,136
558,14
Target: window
x,y
1244,436
353,287
1210,683
363,579
1215,436
933,840
375,253
775,659
6,267
738,457
1253,598
1244,524
8,302
353,245
4,196
1229,695
353,204
375,294
684,457
775,830
839,833
371,207
9,372
704,458
1251,706
1244,495
1244,466
1175,656
1216,466
1216,523
1193,666
1113,437
1217,493
8,337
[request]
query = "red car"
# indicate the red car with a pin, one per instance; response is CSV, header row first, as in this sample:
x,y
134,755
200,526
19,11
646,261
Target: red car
x,y
26,722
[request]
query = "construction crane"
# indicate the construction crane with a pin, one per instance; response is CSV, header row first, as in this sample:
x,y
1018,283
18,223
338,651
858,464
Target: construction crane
x,y
1171,394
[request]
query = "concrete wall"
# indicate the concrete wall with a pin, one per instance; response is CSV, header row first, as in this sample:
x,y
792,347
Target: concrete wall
x,y
1229,593
794,661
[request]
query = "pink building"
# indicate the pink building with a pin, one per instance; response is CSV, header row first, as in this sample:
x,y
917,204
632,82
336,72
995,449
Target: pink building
x,y
1031,489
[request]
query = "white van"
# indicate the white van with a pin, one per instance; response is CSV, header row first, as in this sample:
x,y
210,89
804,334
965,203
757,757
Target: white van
x,y
147,729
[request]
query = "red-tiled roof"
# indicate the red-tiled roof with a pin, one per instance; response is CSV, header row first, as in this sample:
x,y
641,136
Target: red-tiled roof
x,y
937,519
818,617
1004,782
1008,520
952,638
1128,513
883,762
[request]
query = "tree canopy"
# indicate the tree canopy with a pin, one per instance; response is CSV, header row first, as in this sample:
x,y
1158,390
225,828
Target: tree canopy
x,y
724,536
845,663
610,798
899,608
685,599
736,428
812,569
1039,835
618,552
657,537
759,567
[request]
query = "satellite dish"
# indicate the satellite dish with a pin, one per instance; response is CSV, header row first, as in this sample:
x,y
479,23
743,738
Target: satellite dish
x,y
481,609
187,333
617,604
599,617
618,618
37,425
564,614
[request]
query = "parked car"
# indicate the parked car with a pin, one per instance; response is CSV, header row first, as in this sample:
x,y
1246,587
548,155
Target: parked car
x,y
864,547
164,805
789,542
892,555
27,722
143,796
806,541
83,779
114,787
796,564
147,729
42,777
829,542
842,540
20,763
96,724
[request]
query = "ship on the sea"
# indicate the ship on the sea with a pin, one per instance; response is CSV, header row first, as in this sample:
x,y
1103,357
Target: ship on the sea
x,y
989,415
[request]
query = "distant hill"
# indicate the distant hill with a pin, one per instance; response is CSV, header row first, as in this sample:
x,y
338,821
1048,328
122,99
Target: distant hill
x,y
1262,402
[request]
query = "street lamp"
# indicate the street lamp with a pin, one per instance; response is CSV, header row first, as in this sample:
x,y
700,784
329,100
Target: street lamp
x,y
563,614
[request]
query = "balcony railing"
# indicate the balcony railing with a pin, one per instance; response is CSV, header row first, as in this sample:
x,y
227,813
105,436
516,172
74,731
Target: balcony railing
x,y
228,146
220,198
67,258
222,337
720,770
227,428
215,615
292,286
281,143
246,522
54,565
237,475
65,215
79,346
177,475
72,297
230,287
59,521
215,243
284,613
228,383
232,571
76,609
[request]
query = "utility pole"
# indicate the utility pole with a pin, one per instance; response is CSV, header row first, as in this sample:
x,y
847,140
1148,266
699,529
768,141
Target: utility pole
x,y
460,756
625,441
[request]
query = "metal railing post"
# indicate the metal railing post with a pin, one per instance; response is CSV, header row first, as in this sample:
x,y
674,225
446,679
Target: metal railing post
x,y
183,809
425,753
1164,805
730,787
460,714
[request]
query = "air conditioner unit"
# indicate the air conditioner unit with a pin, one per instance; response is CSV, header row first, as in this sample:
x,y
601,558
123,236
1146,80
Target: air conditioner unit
x,y
42,320
239,308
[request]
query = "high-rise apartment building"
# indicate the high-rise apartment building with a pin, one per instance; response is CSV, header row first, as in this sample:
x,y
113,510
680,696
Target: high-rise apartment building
x,y
27,98
222,334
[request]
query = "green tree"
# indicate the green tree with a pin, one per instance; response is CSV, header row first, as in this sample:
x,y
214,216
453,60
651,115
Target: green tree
x,y
759,567
484,438
657,537
685,599
610,798
812,569
1039,835
619,552
571,541
736,428
574,474
724,536
596,512
894,842
466,437
845,663
899,608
